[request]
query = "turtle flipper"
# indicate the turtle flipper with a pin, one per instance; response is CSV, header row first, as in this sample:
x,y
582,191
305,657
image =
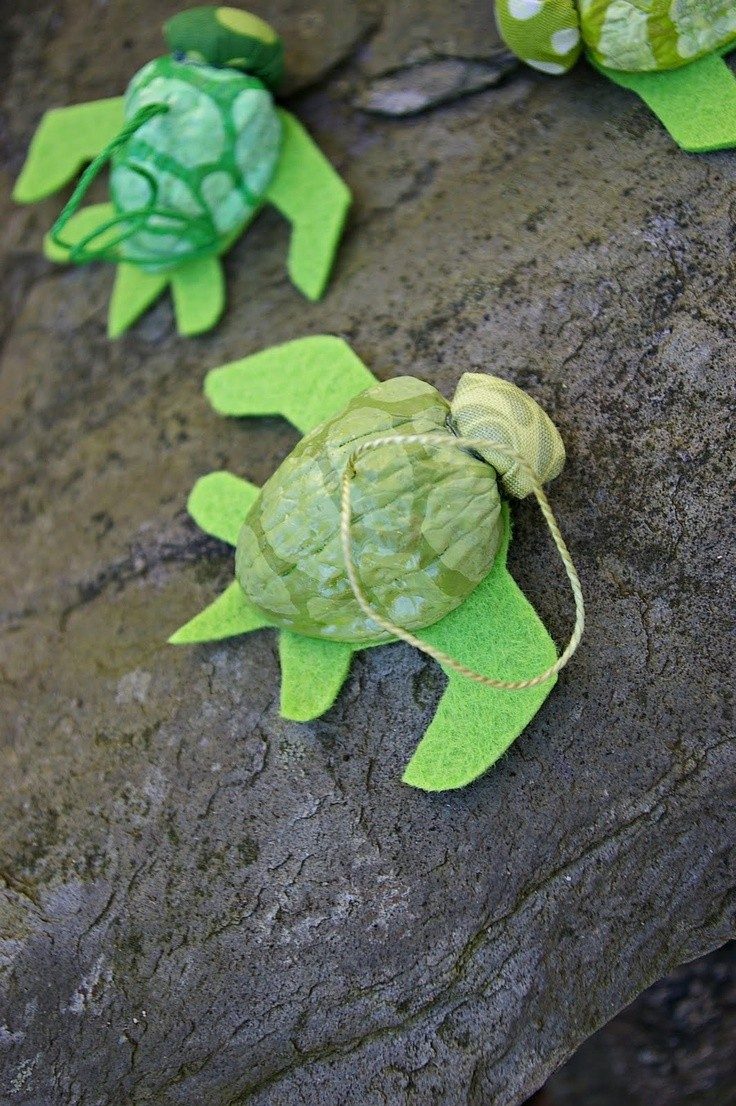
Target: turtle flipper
x,y
218,503
85,224
496,631
133,293
65,140
309,193
696,103
198,288
230,614
307,381
312,673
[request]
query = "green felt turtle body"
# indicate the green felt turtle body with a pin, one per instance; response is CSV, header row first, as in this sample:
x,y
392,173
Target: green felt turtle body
x,y
429,531
666,50
196,147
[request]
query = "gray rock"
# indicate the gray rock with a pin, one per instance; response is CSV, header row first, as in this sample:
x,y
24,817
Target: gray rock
x,y
424,86
204,903
676,1045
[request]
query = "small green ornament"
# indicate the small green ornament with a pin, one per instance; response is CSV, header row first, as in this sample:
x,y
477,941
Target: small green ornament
x,y
197,147
428,539
668,51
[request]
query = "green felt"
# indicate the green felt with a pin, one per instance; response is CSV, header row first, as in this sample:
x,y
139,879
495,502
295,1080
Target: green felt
x,y
497,632
230,614
133,293
312,673
696,103
306,381
66,138
219,502
79,226
309,193
198,288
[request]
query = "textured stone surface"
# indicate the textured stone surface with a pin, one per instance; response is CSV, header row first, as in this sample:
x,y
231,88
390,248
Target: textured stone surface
x,y
203,903
676,1045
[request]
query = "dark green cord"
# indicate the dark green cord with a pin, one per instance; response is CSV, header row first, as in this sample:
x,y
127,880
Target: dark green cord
x,y
130,222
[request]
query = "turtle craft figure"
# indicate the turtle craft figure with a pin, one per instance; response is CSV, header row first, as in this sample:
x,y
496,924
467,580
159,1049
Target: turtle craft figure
x,y
196,147
388,520
667,51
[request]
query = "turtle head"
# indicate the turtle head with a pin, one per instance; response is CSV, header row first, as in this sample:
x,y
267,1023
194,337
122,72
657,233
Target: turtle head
x,y
228,38
488,407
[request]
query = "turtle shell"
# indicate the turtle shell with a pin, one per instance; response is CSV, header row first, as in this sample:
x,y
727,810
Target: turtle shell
x,y
659,34
426,521
200,170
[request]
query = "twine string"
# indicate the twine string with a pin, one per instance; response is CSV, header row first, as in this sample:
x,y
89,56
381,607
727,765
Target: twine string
x,y
129,222
405,635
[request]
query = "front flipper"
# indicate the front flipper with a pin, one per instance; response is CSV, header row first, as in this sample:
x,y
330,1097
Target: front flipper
x,y
66,138
497,632
218,503
696,103
312,673
309,193
307,381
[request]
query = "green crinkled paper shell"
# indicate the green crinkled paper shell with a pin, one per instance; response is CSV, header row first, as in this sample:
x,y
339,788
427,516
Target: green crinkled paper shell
x,y
426,522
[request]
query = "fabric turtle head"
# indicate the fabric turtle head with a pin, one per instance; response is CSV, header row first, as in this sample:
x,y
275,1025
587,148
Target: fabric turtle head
x,y
228,38
492,408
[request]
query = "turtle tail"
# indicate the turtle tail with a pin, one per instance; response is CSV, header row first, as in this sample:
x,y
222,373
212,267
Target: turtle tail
x,y
128,223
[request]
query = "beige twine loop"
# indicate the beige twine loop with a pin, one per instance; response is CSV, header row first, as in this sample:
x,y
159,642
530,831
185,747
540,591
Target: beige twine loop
x,y
397,631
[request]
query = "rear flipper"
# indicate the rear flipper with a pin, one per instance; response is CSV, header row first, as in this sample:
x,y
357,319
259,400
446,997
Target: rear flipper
x,y
696,103
496,631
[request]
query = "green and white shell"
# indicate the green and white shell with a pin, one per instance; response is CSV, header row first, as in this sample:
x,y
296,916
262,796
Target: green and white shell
x,y
628,35
197,172
426,518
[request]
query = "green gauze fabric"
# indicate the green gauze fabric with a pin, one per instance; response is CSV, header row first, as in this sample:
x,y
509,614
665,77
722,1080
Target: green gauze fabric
x,y
495,630
696,103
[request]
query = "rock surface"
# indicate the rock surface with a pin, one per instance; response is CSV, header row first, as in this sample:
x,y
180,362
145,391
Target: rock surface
x,y
204,903
676,1045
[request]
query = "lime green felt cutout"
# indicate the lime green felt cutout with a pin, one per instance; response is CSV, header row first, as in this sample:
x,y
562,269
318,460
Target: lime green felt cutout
x,y
309,193
230,614
198,288
497,632
696,103
133,293
66,139
312,673
306,381
219,502
79,226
